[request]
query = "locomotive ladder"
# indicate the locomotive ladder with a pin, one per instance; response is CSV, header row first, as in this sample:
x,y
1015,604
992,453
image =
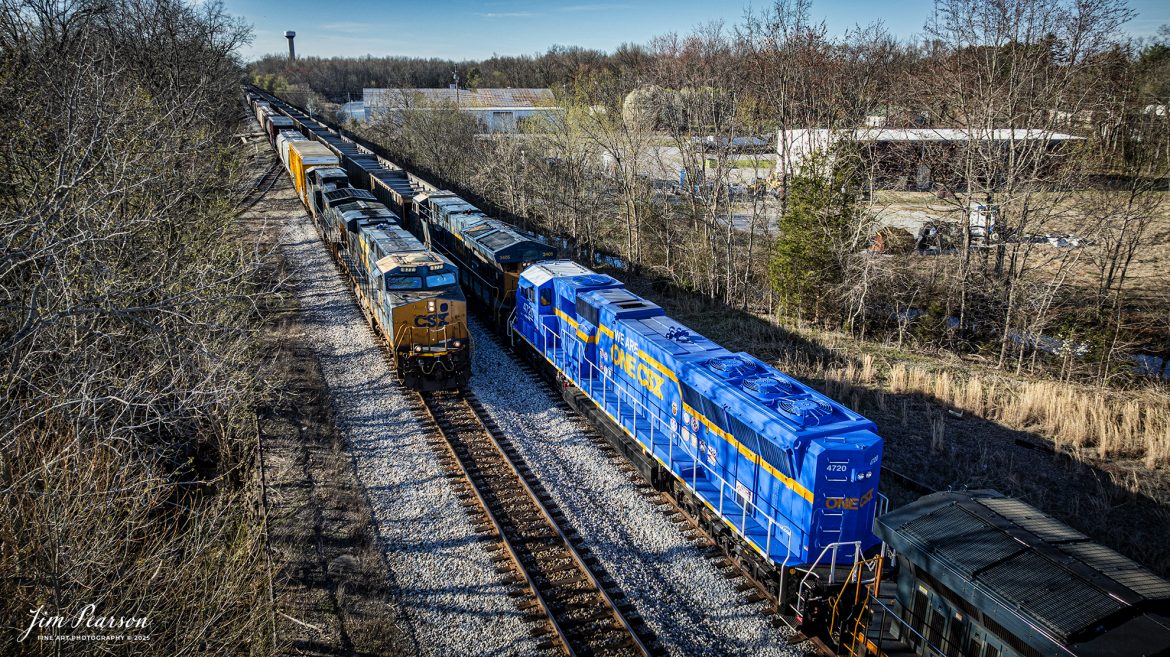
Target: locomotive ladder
x,y
567,583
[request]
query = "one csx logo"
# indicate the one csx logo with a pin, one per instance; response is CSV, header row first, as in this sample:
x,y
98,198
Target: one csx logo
x,y
637,370
433,320
848,503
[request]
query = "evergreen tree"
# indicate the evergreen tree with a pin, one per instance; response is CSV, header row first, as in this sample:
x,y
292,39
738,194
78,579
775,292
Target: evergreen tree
x,y
815,235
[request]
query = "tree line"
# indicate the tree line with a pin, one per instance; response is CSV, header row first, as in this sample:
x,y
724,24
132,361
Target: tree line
x,y
342,79
603,172
127,315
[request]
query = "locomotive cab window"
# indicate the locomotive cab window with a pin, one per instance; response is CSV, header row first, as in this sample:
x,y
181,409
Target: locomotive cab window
x,y
527,292
546,297
404,283
441,280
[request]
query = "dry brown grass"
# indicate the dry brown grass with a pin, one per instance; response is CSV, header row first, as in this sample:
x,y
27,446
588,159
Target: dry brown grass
x,y
1107,423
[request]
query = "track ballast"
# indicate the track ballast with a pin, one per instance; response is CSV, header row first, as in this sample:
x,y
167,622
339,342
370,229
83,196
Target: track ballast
x,y
585,616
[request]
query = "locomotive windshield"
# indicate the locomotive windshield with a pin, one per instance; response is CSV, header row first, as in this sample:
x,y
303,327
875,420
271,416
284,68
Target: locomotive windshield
x,y
441,280
404,283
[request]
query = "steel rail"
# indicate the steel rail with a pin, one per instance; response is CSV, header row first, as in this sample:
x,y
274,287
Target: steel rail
x,y
580,561
498,526
622,628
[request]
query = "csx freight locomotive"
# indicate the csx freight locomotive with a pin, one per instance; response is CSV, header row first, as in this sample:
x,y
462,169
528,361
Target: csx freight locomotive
x,y
783,477
409,293
791,475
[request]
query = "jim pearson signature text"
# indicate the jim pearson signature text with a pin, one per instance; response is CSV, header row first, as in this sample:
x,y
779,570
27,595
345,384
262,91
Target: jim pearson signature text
x,y
87,618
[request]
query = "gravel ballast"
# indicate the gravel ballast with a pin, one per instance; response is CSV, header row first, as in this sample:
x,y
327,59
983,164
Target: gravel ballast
x,y
453,602
683,597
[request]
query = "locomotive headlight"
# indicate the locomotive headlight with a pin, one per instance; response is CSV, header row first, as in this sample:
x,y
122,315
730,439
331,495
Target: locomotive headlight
x,y
430,306
418,349
456,344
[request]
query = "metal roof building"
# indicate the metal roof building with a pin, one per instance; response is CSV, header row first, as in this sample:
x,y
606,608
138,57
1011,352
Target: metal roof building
x,y
986,574
920,155
498,109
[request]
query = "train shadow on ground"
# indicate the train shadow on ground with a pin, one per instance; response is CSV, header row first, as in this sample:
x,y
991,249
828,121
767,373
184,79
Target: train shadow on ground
x,y
931,443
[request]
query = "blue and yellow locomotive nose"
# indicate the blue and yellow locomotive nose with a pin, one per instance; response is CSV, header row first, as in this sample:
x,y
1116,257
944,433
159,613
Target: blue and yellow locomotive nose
x,y
847,470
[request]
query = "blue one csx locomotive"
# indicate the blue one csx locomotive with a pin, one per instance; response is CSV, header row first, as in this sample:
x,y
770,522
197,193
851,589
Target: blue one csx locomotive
x,y
782,476
790,471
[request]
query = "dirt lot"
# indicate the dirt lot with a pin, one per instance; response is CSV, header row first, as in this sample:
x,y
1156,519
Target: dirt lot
x,y
1147,279
332,588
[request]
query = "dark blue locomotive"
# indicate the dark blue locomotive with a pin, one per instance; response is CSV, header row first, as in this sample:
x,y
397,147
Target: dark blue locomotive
x,y
784,478
791,472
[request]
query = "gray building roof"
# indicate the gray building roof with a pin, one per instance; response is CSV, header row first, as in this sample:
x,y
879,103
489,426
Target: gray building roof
x,y
463,98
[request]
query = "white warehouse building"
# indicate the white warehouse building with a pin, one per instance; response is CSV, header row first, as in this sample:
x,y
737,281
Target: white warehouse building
x,y
498,110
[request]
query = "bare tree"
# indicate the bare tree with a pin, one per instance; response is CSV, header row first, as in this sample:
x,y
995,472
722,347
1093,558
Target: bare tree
x,y
127,439
1005,73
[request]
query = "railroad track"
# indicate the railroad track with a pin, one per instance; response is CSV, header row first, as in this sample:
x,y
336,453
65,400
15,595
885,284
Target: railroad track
x,y
583,612
729,564
261,187
585,616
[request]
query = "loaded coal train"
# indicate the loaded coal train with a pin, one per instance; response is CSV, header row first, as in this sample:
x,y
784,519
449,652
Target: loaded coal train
x,y
784,478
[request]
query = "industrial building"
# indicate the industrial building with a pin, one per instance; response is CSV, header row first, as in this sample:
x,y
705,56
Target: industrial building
x,y
498,110
907,158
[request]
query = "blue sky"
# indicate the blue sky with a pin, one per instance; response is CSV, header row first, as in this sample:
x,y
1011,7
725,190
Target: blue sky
x,y
467,29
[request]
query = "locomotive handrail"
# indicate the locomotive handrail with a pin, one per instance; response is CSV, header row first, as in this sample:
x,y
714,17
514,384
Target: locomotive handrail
x,y
511,323
548,336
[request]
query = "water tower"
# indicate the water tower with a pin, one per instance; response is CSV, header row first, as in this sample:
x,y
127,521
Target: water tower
x,y
292,53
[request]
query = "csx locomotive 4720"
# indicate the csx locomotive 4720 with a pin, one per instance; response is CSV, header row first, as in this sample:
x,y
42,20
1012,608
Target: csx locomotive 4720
x,y
784,478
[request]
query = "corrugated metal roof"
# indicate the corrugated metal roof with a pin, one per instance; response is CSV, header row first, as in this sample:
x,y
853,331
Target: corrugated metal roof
x,y
823,136
1037,567
520,98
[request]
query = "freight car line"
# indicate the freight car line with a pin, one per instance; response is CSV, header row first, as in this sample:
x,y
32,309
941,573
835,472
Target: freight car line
x,y
586,618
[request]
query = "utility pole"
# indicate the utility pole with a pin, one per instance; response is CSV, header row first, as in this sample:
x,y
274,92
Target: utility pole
x,y
455,76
